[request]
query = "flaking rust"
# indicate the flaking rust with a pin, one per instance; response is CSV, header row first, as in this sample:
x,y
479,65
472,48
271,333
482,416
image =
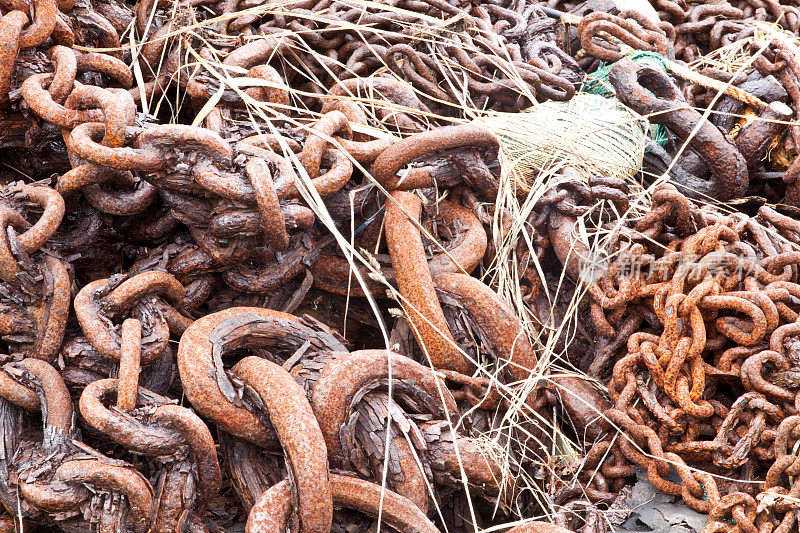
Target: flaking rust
x,y
284,302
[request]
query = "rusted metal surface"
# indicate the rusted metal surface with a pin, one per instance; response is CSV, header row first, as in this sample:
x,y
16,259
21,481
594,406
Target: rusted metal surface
x,y
416,285
208,338
629,32
159,233
300,437
129,365
122,429
663,102
535,526
161,430
97,302
342,378
462,253
495,318
754,139
126,481
271,512
394,158
584,404
201,442
57,406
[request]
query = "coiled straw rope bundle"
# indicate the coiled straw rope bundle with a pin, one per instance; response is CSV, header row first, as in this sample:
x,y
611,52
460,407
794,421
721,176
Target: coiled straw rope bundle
x,y
595,135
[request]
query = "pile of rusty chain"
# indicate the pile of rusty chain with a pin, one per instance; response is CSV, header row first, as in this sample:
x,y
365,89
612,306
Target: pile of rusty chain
x,y
138,233
697,319
147,227
304,408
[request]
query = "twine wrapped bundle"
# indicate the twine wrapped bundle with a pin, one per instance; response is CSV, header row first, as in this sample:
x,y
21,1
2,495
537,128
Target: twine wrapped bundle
x,y
595,135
